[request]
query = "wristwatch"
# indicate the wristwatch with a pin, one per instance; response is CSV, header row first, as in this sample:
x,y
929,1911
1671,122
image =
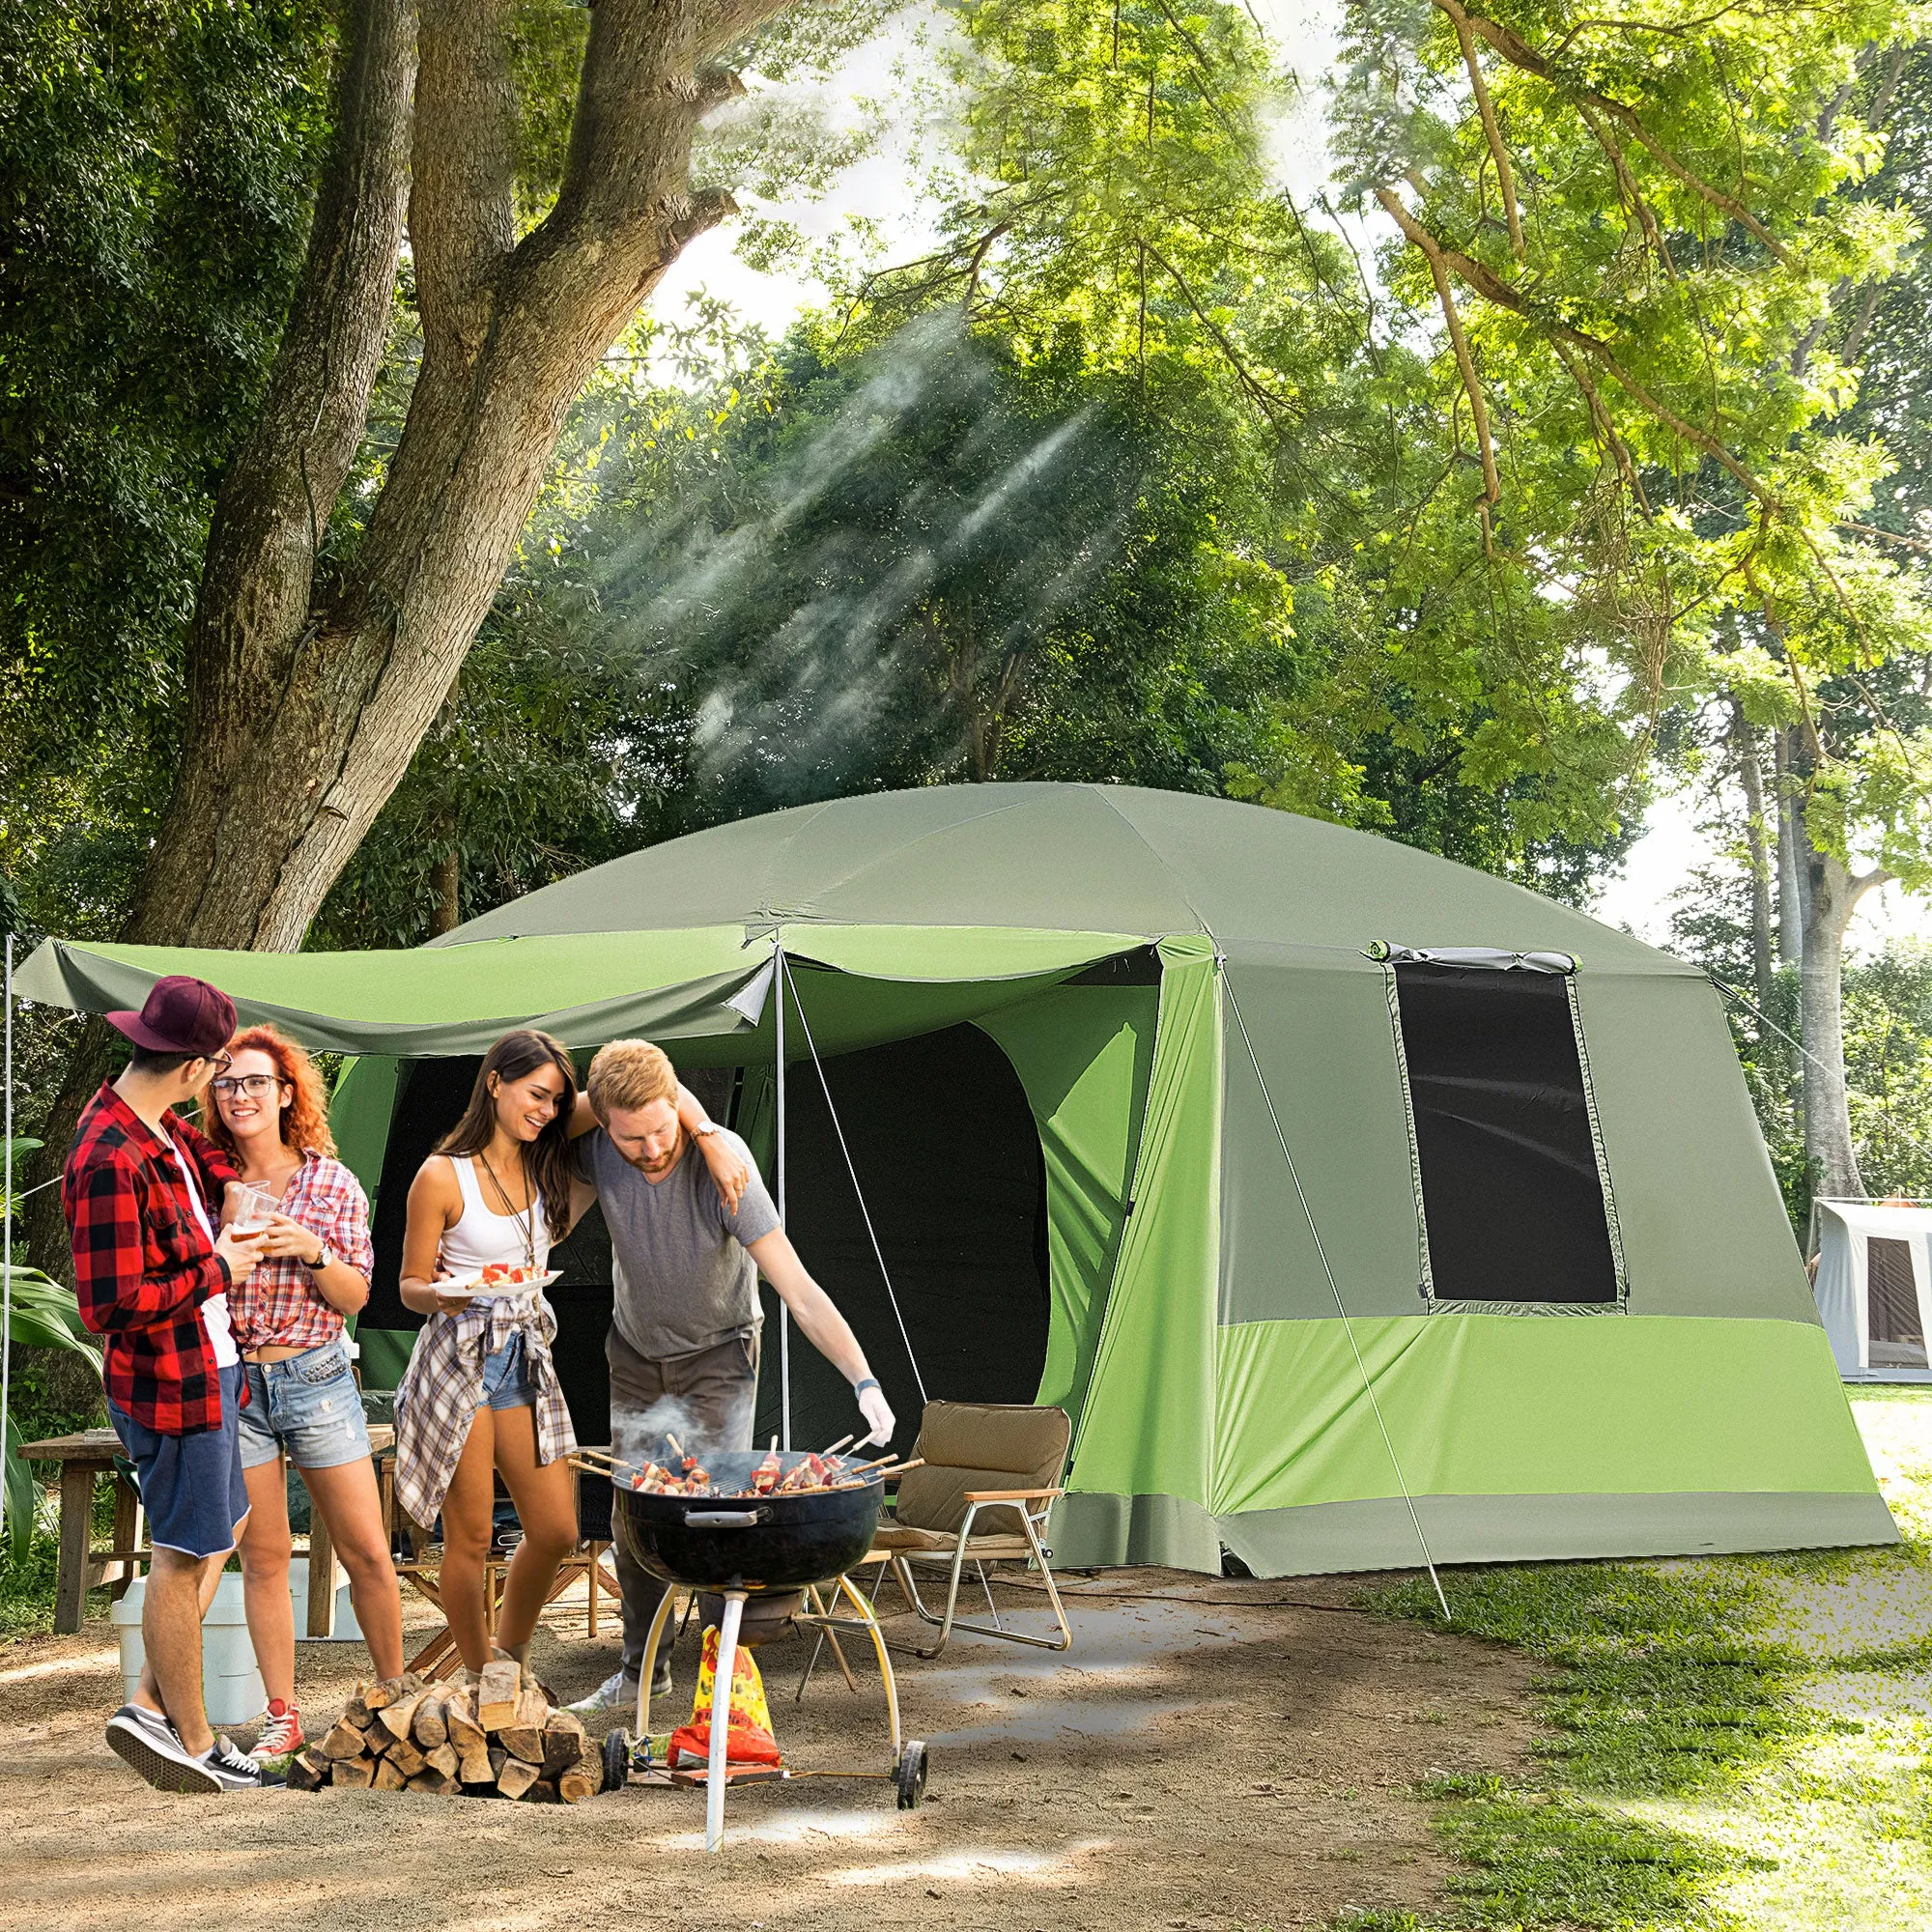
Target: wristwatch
x,y
704,1130
320,1262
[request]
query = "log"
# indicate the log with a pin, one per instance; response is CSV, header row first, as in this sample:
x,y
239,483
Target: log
x,y
525,1737
475,1767
516,1778
464,1731
575,1786
391,1690
434,1783
542,1792
443,1758
354,1770
396,1717
355,1712
389,1776
498,1758
344,1742
308,1770
432,1726
565,1742
496,1695
406,1757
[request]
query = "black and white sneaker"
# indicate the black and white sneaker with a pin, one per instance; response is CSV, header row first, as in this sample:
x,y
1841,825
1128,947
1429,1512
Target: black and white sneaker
x,y
234,1770
146,1742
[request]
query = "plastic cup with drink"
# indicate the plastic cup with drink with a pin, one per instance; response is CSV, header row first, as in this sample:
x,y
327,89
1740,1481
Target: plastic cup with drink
x,y
254,1207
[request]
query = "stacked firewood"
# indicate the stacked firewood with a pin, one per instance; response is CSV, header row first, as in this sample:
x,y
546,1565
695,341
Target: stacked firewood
x,y
491,1735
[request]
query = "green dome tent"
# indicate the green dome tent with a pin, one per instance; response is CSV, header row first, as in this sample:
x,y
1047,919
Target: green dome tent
x,y
1316,1176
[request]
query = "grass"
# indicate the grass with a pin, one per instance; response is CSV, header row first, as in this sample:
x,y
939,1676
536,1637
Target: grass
x,y
1731,1743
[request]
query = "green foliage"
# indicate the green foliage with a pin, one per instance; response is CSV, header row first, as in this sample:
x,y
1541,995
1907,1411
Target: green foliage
x,y
156,160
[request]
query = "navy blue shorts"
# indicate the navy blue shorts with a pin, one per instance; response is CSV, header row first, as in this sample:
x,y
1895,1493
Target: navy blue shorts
x,y
192,1486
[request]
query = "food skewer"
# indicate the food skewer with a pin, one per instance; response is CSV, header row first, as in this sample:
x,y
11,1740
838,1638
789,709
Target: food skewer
x,y
826,1455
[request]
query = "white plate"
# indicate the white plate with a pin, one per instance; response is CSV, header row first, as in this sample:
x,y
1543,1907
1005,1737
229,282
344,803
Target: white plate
x,y
471,1285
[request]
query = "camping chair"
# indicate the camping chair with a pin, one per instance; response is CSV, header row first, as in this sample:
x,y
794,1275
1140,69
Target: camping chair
x,y
982,1460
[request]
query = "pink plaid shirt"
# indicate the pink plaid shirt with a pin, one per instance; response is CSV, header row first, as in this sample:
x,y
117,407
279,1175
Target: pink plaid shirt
x,y
279,1305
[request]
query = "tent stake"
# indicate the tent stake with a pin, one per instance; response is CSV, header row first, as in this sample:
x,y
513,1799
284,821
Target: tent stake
x,y
1347,1327
782,974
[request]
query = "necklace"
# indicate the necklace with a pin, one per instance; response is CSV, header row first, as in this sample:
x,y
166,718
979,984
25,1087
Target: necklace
x,y
526,1220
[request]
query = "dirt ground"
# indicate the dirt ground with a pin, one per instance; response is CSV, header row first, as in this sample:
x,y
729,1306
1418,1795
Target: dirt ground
x,y
1219,1755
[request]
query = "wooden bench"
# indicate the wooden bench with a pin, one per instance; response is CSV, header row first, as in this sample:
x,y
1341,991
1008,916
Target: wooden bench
x,y
83,1457
87,1456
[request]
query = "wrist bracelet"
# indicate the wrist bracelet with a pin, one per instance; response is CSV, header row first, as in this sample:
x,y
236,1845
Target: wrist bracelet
x,y
866,1382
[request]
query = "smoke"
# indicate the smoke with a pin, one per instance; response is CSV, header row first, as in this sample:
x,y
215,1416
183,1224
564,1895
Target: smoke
x,y
884,574
643,1435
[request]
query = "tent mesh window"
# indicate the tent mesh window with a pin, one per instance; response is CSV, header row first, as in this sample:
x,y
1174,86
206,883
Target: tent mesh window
x,y
1509,1181
1897,1335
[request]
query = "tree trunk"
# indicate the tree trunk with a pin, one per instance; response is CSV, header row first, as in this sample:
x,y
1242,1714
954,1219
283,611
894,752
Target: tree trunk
x,y
1833,895
1745,740
305,710
1790,887
308,694
446,880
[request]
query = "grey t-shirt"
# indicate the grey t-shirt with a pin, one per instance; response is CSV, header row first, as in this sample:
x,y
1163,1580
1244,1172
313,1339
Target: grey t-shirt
x,y
678,1263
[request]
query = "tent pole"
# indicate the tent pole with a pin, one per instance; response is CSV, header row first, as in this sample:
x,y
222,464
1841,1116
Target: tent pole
x,y
7,1244
1347,1327
784,1313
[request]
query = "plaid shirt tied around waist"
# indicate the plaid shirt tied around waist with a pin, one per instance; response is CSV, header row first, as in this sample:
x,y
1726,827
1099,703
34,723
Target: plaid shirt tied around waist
x,y
442,1388
279,1306
142,1266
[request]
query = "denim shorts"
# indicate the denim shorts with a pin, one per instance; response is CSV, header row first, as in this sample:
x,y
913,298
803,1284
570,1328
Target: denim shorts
x,y
192,1486
506,1377
308,1408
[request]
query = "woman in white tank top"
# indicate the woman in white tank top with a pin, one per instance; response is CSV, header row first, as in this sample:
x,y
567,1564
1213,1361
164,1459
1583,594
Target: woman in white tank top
x,y
480,1393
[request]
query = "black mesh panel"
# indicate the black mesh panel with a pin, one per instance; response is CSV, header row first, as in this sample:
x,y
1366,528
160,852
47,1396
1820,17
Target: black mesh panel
x,y
1512,1197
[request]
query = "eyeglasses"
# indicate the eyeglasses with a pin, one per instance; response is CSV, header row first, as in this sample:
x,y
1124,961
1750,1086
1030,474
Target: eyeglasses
x,y
255,1085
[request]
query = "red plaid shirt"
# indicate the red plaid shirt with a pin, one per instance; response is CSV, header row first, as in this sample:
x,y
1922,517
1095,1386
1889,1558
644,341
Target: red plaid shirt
x,y
279,1306
141,1264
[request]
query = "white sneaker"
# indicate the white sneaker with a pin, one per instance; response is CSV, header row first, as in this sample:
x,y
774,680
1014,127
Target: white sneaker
x,y
616,1690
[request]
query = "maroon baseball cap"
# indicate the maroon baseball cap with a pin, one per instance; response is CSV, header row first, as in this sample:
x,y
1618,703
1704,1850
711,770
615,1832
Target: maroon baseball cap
x,y
180,1016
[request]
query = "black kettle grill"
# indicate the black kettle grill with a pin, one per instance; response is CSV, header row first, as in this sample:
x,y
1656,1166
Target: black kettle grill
x,y
768,1556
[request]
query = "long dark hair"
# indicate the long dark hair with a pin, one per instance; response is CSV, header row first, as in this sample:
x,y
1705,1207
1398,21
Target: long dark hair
x,y
548,1156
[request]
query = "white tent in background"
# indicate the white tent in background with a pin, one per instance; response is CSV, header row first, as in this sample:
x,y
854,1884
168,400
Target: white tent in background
x,y
1874,1287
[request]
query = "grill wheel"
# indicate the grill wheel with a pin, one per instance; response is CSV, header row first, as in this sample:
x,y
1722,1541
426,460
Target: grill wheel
x,y
911,1776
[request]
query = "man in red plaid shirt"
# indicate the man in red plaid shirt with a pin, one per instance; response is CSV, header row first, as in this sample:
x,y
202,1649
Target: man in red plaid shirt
x,y
142,1191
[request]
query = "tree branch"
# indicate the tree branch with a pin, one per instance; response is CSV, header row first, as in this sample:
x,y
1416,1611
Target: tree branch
x,y
1433,253
1272,406
1493,132
462,222
724,23
1605,426
1492,288
1520,54
1626,183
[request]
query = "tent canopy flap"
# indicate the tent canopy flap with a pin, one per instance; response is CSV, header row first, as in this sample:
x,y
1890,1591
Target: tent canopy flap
x,y
677,984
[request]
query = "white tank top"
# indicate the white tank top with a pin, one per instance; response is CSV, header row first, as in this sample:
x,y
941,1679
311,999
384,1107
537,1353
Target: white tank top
x,y
481,1235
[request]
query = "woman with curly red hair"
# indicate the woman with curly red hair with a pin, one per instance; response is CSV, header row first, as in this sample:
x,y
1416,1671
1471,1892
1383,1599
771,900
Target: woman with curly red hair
x,y
269,1111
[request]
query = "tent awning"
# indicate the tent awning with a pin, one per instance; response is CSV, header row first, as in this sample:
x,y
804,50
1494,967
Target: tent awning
x,y
588,987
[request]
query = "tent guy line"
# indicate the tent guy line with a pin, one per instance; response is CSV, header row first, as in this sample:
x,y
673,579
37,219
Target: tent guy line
x,y
858,1193
1334,1288
1891,1120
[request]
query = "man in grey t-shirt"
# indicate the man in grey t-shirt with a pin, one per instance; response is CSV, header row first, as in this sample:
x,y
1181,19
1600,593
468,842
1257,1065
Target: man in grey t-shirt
x,y
685,1264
